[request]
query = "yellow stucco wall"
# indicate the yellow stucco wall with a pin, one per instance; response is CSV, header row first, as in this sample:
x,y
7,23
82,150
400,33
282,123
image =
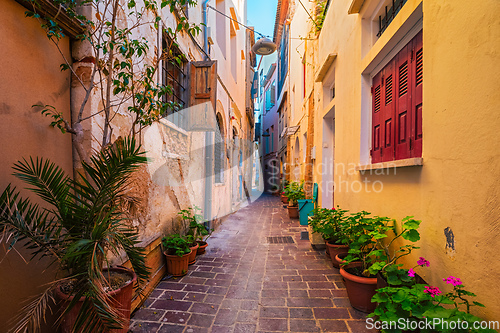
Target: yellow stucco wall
x,y
458,186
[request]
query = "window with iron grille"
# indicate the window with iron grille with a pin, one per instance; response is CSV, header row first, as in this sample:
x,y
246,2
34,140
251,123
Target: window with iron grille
x,y
174,75
397,105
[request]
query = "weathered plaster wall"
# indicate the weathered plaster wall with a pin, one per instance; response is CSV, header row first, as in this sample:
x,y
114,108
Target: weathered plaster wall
x,y
28,77
457,187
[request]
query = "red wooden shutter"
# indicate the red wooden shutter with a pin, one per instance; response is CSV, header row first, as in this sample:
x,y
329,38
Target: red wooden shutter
x,y
202,89
417,82
377,118
388,112
403,103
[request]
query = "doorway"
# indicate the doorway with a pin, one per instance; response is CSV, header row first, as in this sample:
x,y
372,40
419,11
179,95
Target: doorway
x,y
328,160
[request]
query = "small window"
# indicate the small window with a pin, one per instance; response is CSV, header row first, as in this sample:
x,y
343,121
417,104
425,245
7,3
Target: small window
x,y
173,75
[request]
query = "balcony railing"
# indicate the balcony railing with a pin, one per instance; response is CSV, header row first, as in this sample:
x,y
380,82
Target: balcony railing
x,y
390,14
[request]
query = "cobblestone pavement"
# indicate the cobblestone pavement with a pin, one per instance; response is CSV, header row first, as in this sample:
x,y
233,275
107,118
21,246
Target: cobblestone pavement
x,y
245,284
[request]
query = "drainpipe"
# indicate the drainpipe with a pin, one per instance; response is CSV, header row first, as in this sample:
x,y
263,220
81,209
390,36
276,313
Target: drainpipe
x,y
208,135
205,31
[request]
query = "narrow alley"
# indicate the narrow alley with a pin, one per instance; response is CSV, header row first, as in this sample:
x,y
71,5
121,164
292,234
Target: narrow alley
x,y
245,284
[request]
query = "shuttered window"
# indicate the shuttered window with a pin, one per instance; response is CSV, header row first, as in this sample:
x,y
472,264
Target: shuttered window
x,y
397,105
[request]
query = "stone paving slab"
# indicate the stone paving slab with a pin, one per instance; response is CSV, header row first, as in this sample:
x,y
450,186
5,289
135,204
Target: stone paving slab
x,y
244,284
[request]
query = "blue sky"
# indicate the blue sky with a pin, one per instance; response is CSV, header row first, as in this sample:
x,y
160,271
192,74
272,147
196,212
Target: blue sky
x,y
261,14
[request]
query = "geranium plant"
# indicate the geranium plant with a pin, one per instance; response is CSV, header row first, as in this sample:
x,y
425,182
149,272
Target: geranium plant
x,y
417,304
327,222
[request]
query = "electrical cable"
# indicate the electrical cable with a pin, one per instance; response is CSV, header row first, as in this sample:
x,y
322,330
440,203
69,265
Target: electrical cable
x,y
308,13
208,6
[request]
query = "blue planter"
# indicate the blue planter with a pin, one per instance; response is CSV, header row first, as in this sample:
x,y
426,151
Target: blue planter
x,y
306,207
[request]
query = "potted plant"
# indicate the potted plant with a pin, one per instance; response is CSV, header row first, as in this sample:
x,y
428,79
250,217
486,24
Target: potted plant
x,y
196,227
284,198
283,185
193,246
358,269
80,223
294,191
416,306
336,236
387,268
177,252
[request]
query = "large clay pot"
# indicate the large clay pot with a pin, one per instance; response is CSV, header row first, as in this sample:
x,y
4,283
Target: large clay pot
x,y
202,246
177,266
360,290
293,212
335,249
192,255
121,299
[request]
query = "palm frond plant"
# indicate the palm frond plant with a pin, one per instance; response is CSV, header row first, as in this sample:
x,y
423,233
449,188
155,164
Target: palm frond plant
x,y
80,223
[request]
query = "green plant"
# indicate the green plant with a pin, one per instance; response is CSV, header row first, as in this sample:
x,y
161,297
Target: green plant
x,y
417,305
387,261
78,224
294,192
327,223
175,245
362,232
195,228
123,65
320,14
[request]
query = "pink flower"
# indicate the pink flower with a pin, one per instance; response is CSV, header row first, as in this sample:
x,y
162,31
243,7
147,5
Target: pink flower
x,y
282,192
453,280
422,262
411,272
434,291
333,208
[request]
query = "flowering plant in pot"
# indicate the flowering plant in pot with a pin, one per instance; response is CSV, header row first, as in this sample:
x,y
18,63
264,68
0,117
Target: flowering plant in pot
x,y
80,223
294,192
283,185
177,251
418,306
358,268
386,267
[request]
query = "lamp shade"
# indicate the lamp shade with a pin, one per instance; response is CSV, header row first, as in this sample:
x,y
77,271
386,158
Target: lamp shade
x,y
264,46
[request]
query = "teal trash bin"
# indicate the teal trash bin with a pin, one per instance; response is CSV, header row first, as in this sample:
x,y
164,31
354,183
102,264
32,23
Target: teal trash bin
x,y
306,206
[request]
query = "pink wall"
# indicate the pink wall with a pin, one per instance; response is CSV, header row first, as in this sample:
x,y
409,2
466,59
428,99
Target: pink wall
x,y
30,75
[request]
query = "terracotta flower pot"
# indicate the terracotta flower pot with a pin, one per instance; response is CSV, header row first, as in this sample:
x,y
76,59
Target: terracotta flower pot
x,y
192,255
284,199
293,212
121,299
339,259
202,247
360,290
335,249
177,266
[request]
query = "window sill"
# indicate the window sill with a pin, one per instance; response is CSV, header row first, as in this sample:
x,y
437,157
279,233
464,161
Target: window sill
x,y
416,161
